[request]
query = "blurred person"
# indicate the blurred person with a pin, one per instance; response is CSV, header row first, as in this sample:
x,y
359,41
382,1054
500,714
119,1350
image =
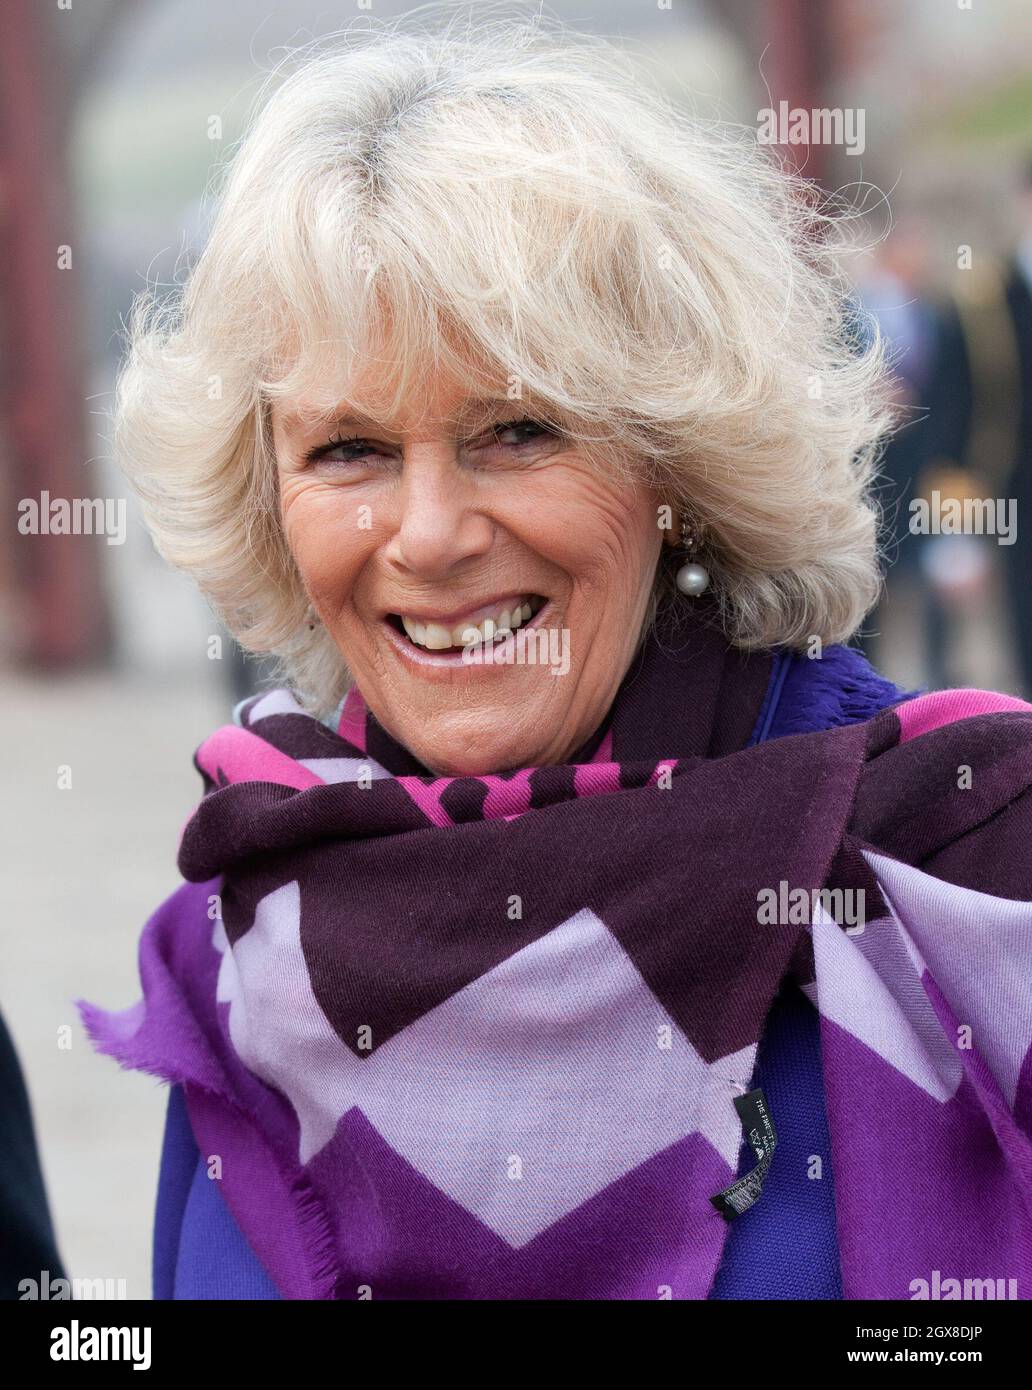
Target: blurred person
x,y
1018,295
29,1260
577,841
980,427
922,330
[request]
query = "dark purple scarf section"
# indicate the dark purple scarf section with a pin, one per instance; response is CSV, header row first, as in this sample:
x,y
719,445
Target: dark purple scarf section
x,y
482,1037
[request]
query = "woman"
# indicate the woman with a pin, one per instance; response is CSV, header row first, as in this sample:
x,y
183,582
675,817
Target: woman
x,y
521,417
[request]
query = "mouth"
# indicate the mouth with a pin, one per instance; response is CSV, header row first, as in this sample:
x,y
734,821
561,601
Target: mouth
x,y
448,637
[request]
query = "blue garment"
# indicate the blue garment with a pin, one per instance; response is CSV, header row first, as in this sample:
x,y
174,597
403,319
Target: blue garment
x,y
199,1250
785,1247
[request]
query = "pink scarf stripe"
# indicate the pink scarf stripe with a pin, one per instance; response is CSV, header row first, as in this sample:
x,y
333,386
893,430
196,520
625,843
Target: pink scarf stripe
x,y
427,796
244,757
507,798
596,779
932,711
352,724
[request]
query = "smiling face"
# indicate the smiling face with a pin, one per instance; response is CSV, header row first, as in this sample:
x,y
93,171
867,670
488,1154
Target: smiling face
x,y
423,538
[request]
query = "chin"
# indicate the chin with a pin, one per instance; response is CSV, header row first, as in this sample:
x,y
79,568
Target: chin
x,y
456,750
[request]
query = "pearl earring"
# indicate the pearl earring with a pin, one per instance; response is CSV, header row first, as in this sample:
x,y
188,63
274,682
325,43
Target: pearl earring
x,y
692,578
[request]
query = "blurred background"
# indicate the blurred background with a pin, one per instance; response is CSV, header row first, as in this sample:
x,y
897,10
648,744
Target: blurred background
x,y
113,116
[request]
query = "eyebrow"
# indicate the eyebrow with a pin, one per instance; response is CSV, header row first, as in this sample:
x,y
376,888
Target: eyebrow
x,y
470,411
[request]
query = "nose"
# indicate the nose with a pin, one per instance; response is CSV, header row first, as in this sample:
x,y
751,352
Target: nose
x,y
438,524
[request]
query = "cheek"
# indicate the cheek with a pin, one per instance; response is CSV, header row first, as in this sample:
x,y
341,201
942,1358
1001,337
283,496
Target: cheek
x,y
326,539
603,535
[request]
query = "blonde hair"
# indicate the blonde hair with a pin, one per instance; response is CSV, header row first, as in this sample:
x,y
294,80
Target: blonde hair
x,y
507,194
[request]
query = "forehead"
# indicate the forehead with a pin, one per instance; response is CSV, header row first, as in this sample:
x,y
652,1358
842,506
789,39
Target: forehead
x,y
430,402
398,374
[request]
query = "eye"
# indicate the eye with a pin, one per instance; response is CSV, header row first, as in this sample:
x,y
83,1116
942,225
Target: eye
x,y
525,431
349,449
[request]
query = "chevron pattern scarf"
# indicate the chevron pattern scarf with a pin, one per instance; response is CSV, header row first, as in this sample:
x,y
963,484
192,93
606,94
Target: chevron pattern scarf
x,y
483,1037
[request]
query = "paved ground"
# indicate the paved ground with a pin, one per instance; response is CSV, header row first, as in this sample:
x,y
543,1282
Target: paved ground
x,y
89,865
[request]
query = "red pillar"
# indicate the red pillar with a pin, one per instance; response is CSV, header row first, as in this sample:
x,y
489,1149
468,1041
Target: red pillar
x,y
58,597
796,64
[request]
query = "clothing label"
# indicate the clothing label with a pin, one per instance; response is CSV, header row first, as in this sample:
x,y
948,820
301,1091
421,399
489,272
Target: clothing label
x,y
761,1134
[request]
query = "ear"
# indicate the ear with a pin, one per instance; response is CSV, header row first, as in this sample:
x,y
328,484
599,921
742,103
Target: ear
x,y
672,535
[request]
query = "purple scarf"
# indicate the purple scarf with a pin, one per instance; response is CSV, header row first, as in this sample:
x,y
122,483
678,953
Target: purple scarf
x,y
481,1037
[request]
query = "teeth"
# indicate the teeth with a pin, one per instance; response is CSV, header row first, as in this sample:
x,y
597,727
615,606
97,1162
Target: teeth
x,y
414,630
436,637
